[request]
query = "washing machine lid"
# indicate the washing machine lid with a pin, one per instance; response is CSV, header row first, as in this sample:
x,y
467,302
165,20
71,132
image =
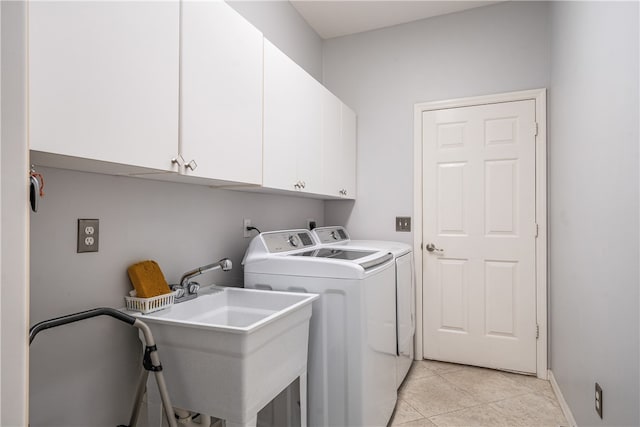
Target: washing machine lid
x,y
367,259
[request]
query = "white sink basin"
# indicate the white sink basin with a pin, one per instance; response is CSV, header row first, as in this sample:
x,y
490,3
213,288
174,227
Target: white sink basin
x,y
230,351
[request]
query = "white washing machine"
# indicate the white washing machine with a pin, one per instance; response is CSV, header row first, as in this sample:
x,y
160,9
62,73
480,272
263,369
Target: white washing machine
x,y
336,236
352,335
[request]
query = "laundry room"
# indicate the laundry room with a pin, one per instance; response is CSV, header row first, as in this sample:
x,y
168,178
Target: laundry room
x,y
343,126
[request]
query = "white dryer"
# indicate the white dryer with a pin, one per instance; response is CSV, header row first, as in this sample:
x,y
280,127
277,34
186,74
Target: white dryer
x,y
352,335
337,236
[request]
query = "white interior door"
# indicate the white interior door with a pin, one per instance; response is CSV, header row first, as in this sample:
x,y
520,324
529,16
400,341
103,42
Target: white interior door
x,y
479,297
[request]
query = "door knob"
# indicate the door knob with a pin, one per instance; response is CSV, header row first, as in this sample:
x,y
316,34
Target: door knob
x,y
432,248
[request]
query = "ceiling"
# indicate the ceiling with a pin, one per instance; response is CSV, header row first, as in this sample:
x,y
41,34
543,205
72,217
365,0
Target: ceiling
x,y
339,18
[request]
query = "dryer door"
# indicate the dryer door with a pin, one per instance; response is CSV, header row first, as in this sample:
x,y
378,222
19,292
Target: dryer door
x,y
405,302
374,358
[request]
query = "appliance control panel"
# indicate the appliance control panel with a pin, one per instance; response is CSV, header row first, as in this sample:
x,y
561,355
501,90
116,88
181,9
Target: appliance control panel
x,y
331,234
282,241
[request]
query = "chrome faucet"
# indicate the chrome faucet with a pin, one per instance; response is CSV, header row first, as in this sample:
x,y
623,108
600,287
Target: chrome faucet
x,y
187,289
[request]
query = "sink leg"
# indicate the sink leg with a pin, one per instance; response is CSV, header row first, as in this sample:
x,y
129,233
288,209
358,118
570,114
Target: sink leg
x,y
250,423
154,405
303,399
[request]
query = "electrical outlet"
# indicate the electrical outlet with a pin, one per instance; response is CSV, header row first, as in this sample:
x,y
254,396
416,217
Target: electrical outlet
x,y
403,223
311,223
599,400
88,232
246,223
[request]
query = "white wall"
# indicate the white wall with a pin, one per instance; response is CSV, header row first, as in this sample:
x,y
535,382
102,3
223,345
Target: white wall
x,y
382,74
593,188
84,374
14,289
281,23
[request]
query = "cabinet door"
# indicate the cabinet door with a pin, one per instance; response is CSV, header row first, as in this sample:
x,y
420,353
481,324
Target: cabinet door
x,y
103,80
310,144
221,93
349,138
338,148
292,120
332,162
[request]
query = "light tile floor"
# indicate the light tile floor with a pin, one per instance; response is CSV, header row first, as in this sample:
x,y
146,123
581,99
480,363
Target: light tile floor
x,y
445,394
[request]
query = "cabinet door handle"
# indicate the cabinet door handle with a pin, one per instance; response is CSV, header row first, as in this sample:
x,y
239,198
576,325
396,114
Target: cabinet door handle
x,y
191,165
304,184
297,185
178,160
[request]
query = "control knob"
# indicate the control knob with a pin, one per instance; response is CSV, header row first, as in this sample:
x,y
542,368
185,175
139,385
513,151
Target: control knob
x,y
293,241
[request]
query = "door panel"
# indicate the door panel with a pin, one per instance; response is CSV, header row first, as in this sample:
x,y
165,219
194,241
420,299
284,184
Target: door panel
x,y
451,203
501,280
501,202
479,213
453,286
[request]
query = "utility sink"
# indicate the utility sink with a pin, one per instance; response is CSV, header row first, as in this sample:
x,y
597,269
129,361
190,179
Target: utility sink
x,y
230,351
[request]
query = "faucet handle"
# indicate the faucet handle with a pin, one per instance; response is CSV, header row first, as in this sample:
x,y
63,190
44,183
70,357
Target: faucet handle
x,y
193,287
179,289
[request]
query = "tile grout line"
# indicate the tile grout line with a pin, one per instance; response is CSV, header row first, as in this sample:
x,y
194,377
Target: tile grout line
x,y
411,406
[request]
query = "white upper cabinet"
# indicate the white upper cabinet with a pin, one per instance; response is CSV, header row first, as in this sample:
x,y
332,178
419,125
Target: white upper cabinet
x,y
292,125
103,81
338,147
184,91
221,93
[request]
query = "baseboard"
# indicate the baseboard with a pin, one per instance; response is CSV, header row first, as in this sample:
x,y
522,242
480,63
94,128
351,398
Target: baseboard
x,y
563,403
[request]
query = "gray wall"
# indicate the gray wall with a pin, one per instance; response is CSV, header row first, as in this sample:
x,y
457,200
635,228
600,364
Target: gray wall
x,y
382,74
593,188
84,374
281,23
587,54
180,226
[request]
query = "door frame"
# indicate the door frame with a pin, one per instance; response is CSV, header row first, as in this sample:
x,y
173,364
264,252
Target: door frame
x,y
14,216
540,98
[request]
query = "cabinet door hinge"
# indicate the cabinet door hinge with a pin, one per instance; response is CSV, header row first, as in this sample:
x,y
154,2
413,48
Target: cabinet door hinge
x,y
537,331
